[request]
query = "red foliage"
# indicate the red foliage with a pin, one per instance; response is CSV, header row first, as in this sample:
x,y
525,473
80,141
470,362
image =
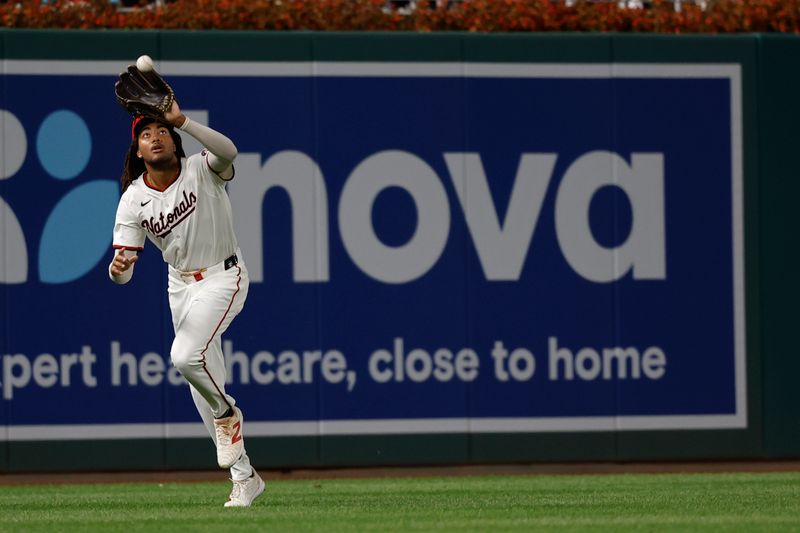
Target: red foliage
x,y
720,16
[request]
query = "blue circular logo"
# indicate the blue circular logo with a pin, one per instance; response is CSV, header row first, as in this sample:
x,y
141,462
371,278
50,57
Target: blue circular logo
x,y
64,144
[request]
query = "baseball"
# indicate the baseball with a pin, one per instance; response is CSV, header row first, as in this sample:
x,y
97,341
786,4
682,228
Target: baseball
x,y
144,63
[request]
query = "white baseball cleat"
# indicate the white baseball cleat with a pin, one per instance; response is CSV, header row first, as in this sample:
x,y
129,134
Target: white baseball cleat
x,y
245,491
230,444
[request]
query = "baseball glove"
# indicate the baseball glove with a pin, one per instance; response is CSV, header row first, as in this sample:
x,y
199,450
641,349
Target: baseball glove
x,y
143,93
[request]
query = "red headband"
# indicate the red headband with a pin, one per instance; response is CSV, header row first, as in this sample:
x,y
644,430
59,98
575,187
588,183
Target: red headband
x,y
136,121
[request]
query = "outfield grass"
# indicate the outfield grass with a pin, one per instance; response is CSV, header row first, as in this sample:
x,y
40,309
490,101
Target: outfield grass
x,y
654,502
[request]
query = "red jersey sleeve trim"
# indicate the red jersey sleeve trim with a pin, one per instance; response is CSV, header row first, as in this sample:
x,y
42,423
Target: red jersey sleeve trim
x,y
132,248
217,173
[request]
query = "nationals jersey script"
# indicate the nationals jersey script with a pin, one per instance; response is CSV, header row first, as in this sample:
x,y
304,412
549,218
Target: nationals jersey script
x,y
194,209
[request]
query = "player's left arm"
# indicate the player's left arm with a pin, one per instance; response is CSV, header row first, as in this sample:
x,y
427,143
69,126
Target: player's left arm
x,y
221,150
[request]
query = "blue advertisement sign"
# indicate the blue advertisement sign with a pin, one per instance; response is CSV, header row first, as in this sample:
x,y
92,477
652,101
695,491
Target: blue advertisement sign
x,y
465,248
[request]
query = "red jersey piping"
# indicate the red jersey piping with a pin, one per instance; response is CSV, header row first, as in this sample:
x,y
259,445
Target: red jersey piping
x,y
150,185
217,173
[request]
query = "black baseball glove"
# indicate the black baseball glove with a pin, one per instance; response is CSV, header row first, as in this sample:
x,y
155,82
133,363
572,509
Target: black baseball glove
x,y
143,93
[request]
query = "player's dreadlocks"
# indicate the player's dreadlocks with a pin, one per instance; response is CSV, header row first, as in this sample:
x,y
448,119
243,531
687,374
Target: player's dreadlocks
x,y
134,165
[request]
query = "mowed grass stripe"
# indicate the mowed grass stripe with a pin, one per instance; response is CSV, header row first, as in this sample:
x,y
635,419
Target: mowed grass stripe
x,y
652,502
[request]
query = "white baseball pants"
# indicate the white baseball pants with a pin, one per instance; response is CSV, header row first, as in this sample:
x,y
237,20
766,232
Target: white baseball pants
x,y
201,312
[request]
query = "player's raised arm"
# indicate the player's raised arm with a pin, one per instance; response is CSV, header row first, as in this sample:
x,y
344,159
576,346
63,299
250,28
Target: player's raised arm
x,y
221,150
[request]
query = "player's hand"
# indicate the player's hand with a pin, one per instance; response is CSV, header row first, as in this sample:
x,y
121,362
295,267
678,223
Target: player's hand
x,y
174,116
122,263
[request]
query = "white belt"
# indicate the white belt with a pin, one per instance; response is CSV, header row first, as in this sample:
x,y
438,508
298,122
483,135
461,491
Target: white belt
x,y
194,276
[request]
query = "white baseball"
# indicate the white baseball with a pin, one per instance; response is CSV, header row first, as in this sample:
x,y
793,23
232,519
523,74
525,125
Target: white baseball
x,y
144,64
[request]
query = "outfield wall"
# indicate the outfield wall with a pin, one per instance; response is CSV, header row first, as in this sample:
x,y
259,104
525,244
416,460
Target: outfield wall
x,y
462,249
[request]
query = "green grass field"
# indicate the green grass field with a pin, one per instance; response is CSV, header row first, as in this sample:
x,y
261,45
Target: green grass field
x,y
643,502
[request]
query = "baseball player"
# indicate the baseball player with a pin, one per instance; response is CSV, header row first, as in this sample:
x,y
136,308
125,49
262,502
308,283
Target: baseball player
x,y
181,205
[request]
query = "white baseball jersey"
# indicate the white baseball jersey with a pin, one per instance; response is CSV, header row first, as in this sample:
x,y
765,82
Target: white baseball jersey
x,y
190,221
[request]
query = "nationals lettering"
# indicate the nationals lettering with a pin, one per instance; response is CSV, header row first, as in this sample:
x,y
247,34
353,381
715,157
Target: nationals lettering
x,y
164,224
